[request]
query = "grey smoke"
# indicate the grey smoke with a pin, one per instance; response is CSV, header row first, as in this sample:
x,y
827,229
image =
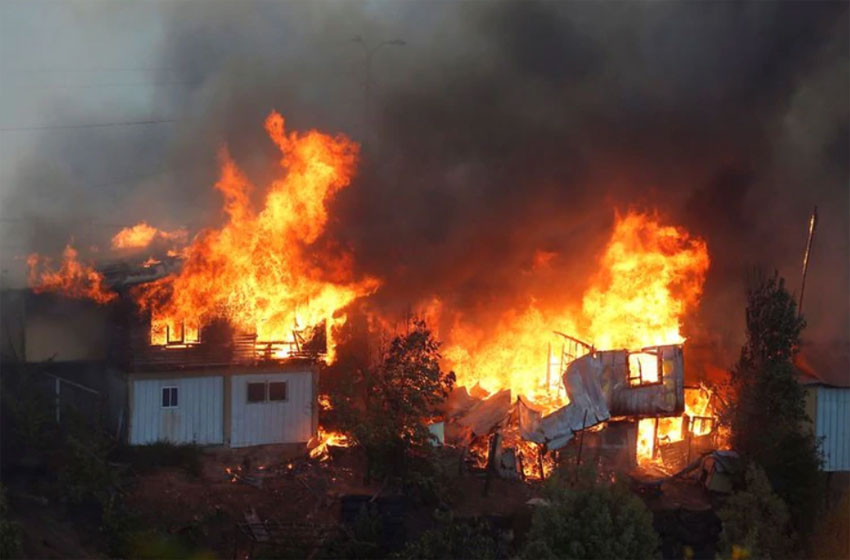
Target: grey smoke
x,y
498,129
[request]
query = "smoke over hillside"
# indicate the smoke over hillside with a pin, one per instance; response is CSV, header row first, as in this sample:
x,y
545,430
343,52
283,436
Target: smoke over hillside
x,y
497,132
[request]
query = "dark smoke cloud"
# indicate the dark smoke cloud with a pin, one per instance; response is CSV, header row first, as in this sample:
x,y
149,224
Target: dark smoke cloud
x,y
501,129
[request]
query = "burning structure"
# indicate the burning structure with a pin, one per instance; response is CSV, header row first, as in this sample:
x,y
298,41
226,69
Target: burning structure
x,y
219,341
220,338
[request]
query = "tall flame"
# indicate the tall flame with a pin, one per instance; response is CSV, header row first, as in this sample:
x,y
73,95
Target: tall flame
x,y
262,269
648,277
72,278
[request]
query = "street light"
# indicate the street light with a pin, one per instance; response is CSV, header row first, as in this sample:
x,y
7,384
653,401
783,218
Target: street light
x,y
370,52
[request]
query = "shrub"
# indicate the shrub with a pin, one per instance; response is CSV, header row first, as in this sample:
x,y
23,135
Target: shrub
x,y
591,520
10,532
455,539
755,520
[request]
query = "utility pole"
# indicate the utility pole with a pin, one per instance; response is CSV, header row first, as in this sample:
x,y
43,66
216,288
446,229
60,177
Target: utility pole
x,y
367,86
813,222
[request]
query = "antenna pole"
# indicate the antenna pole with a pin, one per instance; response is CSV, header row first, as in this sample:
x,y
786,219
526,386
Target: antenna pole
x,y
813,221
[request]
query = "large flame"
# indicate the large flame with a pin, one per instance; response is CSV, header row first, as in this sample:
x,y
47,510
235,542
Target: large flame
x,y
648,277
72,278
266,271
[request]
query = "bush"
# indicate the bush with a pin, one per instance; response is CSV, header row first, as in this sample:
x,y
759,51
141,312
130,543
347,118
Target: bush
x,y
755,521
455,539
591,520
10,532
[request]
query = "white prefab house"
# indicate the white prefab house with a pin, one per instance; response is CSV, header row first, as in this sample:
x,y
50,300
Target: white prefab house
x,y
829,409
234,408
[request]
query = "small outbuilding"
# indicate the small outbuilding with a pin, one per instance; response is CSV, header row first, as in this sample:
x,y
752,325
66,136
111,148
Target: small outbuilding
x,y
235,407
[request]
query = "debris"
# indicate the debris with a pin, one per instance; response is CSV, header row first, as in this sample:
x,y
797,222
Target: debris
x,y
258,530
538,502
438,430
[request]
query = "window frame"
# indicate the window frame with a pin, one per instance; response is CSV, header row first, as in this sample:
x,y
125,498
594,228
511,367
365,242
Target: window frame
x,y
639,377
269,391
173,391
265,396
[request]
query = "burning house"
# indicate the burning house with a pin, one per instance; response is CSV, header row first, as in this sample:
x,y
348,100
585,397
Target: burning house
x,y
217,341
219,337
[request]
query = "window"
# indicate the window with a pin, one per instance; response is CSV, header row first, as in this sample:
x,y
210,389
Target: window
x,y
169,397
267,391
256,392
277,391
643,368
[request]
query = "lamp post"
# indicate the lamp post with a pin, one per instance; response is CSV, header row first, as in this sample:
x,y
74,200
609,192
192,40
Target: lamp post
x,y
370,52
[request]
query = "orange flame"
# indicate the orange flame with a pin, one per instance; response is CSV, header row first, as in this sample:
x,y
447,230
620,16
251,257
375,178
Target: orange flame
x,y
258,269
699,419
141,235
72,278
649,276
325,440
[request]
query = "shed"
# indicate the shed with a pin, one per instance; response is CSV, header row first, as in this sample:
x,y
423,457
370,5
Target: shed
x,y
828,407
825,374
236,407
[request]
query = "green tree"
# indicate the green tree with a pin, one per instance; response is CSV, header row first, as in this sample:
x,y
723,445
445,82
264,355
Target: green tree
x,y
591,520
767,416
755,521
384,407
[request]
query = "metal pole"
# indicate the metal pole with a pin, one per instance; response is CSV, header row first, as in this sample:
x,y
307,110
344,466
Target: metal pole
x,y
58,402
813,221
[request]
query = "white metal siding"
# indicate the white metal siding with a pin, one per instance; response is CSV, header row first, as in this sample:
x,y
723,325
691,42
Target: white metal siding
x,y
288,421
833,425
197,417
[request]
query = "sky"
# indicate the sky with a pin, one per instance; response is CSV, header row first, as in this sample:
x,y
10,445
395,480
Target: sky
x,y
496,130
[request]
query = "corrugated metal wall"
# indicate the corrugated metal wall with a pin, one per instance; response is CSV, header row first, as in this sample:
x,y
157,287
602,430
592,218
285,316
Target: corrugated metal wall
x,y
197,417
261,423
832,423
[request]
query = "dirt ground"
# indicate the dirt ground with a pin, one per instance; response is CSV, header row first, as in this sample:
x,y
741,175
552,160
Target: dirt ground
x,y
281,485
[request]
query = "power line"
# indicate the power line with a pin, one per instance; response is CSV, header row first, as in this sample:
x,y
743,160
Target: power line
x,y
91,125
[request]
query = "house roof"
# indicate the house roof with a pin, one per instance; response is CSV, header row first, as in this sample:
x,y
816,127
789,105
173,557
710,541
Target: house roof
x,y
824,363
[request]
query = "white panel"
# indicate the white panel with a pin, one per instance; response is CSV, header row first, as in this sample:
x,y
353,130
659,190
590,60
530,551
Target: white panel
x,y
196,419
833,425
288,421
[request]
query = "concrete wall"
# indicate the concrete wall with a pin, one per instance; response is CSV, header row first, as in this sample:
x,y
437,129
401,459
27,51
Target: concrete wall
x,y
197,418
259,423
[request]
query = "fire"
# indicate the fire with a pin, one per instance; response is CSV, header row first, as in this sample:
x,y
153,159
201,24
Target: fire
x,y
325,440
699,419
141,235
72,278
267,271
650,275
